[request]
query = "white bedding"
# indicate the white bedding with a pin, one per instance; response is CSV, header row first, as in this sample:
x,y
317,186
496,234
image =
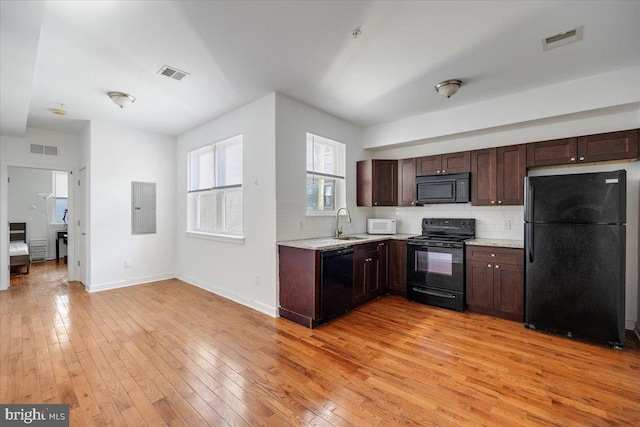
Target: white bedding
x,y
18,248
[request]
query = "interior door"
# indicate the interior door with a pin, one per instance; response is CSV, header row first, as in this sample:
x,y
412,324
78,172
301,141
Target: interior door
x,y
82,229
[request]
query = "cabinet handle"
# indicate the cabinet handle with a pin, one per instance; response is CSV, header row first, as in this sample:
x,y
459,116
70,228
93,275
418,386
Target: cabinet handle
x,y
443,171
380,244
499,202
497,266
489,265
368,260
493,202
581,159
573,159
375,203
437,171
493,255
413,203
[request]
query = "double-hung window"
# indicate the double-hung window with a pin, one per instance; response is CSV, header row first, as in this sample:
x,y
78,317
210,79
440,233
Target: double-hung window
x,y
59,204
325,175
214,199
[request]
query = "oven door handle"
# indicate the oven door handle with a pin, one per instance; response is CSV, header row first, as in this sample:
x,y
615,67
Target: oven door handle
x,y
434,293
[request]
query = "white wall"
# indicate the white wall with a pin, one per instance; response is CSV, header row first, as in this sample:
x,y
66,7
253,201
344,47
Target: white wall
x,y
118,156
293,121
573,98
244,272
14,151
24,186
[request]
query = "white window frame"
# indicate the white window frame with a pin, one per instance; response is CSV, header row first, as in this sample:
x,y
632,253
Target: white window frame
x,y
55,196
339,189
195,192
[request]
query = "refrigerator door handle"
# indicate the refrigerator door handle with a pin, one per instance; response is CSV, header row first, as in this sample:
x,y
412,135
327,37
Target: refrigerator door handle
x,y
530,241
529,199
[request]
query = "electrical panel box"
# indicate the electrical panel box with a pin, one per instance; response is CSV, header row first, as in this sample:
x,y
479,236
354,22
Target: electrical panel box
x,y
143,207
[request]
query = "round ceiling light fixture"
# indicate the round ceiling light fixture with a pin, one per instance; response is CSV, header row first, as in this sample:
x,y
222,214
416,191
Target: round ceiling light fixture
x,y
448,88
59,111
121,99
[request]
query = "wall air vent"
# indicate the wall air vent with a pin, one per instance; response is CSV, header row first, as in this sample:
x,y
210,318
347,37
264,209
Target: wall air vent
x,y
173,73
44,149
562,39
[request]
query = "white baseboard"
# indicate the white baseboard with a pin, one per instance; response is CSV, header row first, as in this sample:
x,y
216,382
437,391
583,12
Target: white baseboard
x,y
129,282
255,305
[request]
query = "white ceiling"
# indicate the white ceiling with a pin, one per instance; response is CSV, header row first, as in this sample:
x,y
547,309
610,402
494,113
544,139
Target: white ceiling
x,y
73,53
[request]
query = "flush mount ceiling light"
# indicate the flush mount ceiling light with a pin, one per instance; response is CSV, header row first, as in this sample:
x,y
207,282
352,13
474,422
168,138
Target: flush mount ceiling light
x,y
121,99
448,88
59,111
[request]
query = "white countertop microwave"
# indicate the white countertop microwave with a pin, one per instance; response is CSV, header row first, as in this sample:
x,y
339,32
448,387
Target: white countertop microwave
x,y
381,226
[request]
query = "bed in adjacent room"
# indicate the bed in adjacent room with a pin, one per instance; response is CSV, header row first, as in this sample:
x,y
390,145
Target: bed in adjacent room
x,y
18,248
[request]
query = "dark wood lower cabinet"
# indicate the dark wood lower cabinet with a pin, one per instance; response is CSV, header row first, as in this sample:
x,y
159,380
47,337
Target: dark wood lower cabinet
x,y
369,271
300,279
300,285
495,281
398,267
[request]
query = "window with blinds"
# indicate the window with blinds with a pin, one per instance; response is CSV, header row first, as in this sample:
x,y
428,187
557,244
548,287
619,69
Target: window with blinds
x,y
215,200
325,174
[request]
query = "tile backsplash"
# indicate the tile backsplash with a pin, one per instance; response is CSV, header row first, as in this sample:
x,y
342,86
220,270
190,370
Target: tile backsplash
x,y
492,222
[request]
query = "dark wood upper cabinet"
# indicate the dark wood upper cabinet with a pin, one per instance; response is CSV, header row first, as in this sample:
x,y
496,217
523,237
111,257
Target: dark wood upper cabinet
x,y
592,148
407,182
377,183
444,164
498,175
512,168
608,146
555,152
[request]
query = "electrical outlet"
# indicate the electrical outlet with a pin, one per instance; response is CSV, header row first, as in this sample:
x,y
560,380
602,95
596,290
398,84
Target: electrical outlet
x,y
127,263
507,224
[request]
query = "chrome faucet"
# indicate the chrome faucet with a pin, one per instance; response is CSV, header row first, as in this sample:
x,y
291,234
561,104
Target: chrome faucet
x,y
339,229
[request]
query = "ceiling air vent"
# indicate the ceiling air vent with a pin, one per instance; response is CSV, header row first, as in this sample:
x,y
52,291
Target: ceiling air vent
x,y
44,149
172,72
562,39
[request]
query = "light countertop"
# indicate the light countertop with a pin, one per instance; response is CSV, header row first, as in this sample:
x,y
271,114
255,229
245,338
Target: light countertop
x,y
503,243
322,243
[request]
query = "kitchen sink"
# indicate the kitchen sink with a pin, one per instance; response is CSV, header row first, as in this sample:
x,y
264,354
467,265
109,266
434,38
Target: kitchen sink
x,y
349,238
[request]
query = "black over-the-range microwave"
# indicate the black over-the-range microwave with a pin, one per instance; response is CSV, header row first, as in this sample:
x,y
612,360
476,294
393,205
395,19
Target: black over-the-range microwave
x,y
443,188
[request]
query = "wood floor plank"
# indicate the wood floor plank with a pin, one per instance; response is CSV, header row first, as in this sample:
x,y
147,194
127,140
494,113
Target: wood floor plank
x,y
167,353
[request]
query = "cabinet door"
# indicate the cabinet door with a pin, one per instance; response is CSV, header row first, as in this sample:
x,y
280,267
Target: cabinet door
x,y
383,267
359,281
479,278
377,183
508,290
483,177
608,146
511,170
398,267
385,183
556,152
428,165
407,182
456,162
372,278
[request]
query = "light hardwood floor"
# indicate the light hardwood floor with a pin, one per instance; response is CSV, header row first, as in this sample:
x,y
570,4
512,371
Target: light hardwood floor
x,y
168,353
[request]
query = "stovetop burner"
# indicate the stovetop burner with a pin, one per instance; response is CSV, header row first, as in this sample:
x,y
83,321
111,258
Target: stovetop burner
x,y
453,230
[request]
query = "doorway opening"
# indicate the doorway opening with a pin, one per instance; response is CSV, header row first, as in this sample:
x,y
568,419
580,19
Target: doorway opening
x,y
38,204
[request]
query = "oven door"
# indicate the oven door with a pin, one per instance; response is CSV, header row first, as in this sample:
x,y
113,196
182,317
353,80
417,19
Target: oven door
x,y
435,275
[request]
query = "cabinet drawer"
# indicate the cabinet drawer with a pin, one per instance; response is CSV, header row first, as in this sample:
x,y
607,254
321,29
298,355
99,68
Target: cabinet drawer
x,y
495,254
366,249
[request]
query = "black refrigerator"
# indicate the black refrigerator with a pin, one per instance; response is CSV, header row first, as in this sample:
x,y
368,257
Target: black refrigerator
x,y
575,255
